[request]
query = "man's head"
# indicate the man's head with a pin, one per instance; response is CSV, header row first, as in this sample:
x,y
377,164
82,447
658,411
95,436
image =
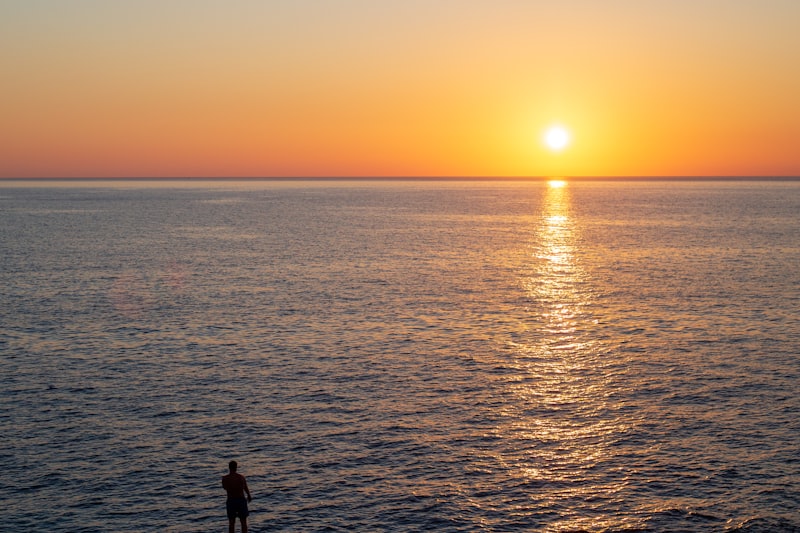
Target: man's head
x,y
232,466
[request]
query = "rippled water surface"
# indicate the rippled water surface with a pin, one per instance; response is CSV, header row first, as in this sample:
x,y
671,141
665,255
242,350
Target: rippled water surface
x,y
401,356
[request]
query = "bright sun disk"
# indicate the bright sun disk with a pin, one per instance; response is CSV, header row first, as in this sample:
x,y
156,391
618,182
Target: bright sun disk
x,y
556,138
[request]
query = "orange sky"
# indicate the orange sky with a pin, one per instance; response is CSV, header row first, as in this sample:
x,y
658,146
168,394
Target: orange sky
x,y
93,88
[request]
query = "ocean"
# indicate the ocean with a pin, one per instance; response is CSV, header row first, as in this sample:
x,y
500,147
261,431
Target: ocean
x,y
456,356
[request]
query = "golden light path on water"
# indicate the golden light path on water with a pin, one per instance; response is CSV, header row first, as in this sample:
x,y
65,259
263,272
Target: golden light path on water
x,y
562,420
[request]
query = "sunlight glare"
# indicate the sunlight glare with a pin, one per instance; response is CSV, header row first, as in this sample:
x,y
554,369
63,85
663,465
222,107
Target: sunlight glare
x,y
556,138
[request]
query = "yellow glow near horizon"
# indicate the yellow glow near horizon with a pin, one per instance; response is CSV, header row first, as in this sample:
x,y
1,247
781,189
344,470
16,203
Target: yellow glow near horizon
x,y
275,89
556,184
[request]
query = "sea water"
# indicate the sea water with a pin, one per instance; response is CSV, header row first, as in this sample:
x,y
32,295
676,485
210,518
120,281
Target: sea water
x,y
401,356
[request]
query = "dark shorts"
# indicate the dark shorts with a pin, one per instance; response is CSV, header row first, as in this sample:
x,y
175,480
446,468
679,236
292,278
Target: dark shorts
x,y
237,507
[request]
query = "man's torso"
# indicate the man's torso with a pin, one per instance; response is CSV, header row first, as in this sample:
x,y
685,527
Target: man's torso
x,y
234,485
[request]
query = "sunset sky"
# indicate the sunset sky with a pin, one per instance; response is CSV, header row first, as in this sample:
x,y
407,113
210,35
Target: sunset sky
x,y
207,88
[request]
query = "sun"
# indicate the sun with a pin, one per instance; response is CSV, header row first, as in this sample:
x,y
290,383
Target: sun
x,y
556,138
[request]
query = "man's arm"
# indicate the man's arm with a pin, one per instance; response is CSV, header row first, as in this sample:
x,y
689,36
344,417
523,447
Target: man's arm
x,y
246,489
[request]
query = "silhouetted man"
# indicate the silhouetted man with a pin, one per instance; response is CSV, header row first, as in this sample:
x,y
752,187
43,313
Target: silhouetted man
x,y
236,505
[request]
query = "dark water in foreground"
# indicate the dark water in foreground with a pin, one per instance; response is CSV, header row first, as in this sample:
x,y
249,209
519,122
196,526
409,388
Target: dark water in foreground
x,y
618,356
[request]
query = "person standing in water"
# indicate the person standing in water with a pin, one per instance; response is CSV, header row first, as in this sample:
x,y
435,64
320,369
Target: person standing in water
x,y
236,486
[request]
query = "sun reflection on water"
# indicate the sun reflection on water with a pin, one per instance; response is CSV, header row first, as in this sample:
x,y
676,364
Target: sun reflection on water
x,y
559,422
558,279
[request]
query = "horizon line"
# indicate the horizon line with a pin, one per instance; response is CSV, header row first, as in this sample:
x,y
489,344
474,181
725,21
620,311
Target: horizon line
x,y
411,178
